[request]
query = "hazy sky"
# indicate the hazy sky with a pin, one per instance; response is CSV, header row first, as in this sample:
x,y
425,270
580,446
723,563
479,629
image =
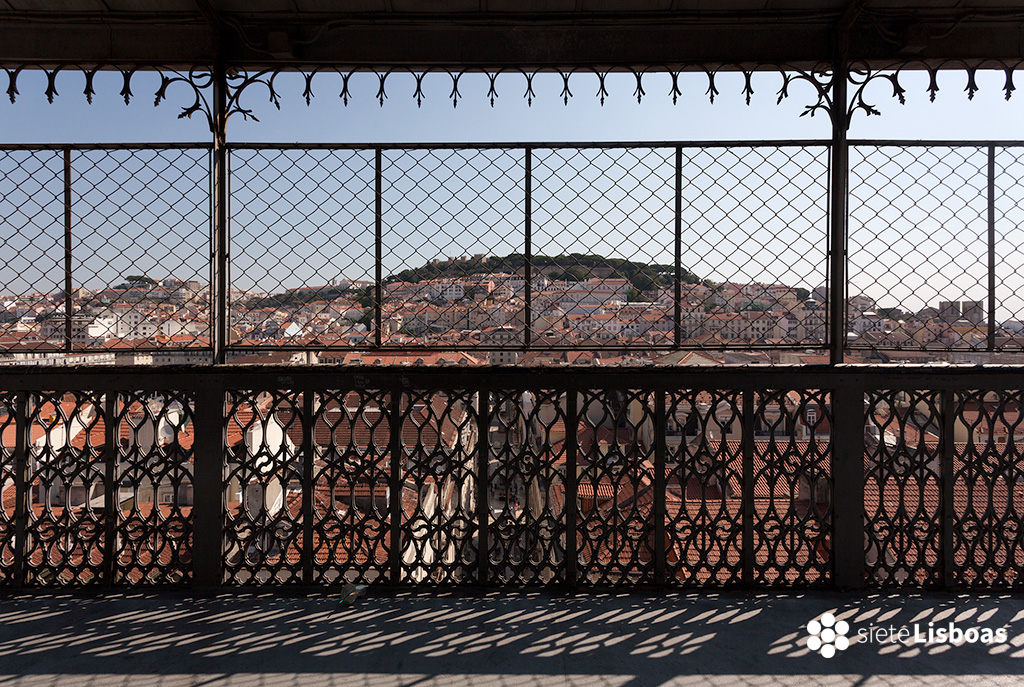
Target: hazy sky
x,y
917,228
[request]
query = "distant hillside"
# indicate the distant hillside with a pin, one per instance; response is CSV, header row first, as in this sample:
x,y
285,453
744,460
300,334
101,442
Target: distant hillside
x,y
297,297
575,267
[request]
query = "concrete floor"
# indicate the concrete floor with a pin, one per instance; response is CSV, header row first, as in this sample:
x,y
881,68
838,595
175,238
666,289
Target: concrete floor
x,y
495,639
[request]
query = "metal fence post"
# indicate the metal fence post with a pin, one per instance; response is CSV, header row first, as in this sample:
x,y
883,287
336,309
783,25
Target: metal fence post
x,y
991,247
378,242
22,440
219,200
946,478
482,506
838,184
308,459
571,447
208,506
848,483
528,248
68,303
747,448
678,278
660,506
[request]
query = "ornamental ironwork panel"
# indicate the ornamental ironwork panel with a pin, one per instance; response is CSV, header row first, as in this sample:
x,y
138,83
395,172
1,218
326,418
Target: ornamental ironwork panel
x,y
250,89
902,488
439,529
526,490
351,487
8,493
302,243
988,490
518,479
704,488
154,488
792,479
615,492
66,537
262,488
754,229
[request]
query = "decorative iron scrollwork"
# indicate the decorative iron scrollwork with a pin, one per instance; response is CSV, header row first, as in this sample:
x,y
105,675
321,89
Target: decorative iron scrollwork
x,y
988,489
198,79
439,530
861,76
704,534
902,489
263,524
154,435
66,525
820,79
792,488
615,493
525,490
351,495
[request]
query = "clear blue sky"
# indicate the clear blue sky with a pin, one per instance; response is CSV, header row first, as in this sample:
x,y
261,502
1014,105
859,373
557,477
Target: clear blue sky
x,y
70,119
896,255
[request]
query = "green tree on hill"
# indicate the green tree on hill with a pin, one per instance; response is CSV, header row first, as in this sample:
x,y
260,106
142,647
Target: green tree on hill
x,y
574,267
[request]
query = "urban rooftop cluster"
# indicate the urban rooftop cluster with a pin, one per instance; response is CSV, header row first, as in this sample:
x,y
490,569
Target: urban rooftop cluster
x,y
468,303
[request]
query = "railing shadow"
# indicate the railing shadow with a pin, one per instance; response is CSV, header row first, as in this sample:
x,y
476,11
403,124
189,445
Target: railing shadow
x,y
516,638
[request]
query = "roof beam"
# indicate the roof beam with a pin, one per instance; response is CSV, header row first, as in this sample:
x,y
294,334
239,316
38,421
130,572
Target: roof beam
x,y
382,39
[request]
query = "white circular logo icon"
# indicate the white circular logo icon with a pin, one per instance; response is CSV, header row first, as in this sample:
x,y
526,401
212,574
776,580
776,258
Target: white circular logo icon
x,y
828,635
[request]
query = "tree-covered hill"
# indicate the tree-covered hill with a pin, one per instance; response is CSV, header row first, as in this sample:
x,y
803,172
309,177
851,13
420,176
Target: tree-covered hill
x,y
574,267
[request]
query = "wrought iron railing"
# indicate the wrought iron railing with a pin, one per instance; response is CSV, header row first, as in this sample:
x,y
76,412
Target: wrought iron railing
x,y
779,478
653,246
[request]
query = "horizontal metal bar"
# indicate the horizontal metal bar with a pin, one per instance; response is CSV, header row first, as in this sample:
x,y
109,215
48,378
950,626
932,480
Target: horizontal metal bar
x,y
500,377
106,146
507,145
934,349
801,143
79,350
952,143
470,348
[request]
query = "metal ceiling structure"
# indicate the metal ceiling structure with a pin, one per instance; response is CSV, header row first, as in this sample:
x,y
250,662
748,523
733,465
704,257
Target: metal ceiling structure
x,y
495,33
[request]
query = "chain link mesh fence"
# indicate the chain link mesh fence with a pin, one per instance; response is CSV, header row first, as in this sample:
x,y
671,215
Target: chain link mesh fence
x,y
545,253
146,213
1008,185
107,251
755,232
933,250
301,244
32,207
453,241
